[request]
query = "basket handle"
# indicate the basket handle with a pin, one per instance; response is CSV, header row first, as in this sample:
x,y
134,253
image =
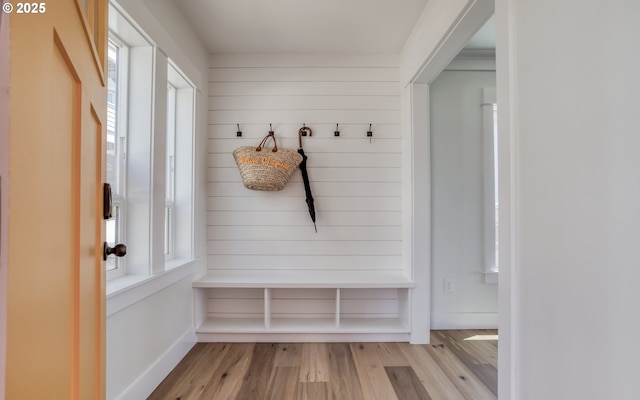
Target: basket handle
x,y
264,142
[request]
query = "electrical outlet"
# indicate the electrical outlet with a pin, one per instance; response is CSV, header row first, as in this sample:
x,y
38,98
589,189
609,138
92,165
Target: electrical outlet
x,y
448,285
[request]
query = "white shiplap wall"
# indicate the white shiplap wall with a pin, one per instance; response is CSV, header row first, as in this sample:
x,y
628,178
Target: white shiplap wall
x,y
356,183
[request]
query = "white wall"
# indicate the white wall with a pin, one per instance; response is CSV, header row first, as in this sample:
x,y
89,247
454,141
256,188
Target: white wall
x,y
150,327
570,76
145,339
4,169
457,207
356,182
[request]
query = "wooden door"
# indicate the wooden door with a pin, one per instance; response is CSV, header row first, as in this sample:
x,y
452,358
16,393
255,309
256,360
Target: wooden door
x,y
56,299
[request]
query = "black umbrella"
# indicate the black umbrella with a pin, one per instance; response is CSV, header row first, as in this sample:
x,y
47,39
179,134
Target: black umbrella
x,y
305,176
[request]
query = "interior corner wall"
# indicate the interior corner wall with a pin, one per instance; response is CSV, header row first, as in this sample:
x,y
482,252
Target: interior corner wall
x,y
457,203
146,339
573,77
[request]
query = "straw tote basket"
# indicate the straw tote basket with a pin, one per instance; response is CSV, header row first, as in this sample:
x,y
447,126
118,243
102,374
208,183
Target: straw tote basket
x,y
267,170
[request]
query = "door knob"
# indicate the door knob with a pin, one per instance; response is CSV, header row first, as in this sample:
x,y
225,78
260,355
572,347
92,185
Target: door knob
x,y
118,250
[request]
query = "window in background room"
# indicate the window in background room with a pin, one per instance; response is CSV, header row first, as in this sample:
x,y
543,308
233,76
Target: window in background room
x,y
495,186
490,179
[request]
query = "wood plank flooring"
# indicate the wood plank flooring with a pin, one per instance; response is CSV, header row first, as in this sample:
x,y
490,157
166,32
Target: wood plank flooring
x,y
457,365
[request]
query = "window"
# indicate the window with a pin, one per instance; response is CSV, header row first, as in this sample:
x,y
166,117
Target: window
x,y
150,138
495,185
170,176
179,186
490,173
116,148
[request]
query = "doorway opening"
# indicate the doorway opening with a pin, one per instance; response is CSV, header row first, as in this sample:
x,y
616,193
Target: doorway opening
x,y
464,268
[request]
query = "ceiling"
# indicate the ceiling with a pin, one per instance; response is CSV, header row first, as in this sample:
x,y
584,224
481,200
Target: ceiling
x,y
302,26
485,38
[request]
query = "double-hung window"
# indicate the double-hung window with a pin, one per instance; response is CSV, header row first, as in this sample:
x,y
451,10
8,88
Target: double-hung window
x,y
116,148
170,175
150,153
179,184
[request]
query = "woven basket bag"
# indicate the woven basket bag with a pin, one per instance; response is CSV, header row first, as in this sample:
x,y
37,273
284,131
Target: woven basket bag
x,y
267,170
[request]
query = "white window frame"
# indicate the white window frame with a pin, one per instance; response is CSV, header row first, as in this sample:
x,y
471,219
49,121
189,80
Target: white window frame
x,y
119,190
149,72
490,185
170,175
180,179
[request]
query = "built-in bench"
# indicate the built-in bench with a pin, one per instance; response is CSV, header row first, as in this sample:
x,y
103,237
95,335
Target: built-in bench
x,y
238,304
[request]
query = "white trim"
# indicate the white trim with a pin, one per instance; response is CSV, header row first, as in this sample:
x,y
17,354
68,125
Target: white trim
x,y
170,168
130,289
488,175
194,172
464,24
145,384
121,132
157,169
134,35
420,209
469,19
302,337
169,231
466,320
251,278
184,175
508,381
177,78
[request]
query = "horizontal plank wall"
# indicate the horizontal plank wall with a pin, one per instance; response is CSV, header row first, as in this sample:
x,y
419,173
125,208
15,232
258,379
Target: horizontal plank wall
x,y
356,181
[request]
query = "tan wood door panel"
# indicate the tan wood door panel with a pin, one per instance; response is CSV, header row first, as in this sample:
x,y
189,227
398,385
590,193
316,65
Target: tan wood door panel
x,y
56,300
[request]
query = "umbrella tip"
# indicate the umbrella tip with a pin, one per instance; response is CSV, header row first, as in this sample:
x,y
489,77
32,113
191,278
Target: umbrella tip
x,y
315,227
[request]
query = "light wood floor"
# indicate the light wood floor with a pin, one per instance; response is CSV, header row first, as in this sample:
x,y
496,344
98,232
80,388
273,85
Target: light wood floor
x,y
452,367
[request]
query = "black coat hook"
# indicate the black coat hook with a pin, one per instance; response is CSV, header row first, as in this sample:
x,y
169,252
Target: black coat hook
x,y
337,131
303,132
369,133
239,132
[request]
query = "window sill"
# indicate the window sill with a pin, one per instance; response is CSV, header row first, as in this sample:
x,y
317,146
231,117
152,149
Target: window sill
x,y
174,263
127,290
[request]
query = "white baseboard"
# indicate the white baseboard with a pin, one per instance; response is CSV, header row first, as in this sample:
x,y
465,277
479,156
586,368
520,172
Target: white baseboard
x,y
302,337
145,384
470,320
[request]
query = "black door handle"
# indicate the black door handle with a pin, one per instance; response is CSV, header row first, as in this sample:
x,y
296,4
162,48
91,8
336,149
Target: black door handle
x,y
118,250
107,201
